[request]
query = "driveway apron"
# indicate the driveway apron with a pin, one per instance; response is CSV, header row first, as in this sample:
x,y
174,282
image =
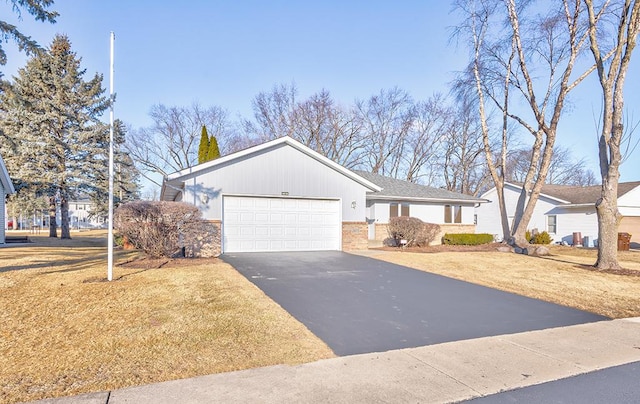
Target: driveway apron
x,y
357,304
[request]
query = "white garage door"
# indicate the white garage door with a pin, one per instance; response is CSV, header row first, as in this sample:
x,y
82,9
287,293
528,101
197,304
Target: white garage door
x,y
280,224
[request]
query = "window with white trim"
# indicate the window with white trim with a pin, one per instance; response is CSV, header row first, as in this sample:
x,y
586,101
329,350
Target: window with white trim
x,y
552,224
452,214
398,209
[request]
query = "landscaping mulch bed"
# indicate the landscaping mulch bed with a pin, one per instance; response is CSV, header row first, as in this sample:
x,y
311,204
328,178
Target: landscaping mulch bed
x,y
446,248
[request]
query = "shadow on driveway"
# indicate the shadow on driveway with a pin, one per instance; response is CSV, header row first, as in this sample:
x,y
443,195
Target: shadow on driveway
x,y
360,305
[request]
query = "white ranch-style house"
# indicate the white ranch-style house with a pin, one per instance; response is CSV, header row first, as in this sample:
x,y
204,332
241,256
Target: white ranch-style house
x,y
563,210
6,188
283,196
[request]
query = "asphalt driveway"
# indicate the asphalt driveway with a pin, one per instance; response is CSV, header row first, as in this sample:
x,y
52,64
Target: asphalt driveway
x,y
360,305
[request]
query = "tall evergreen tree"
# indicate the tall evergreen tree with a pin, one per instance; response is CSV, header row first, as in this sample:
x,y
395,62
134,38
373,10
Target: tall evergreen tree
x,y
38,9
203,148
126,185
214,151
51,120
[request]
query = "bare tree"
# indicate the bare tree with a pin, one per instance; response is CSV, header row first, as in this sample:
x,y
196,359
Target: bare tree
x,y
527,62
387,119
463,164
421,148
171,143
612,72
563,170
328,129
273,114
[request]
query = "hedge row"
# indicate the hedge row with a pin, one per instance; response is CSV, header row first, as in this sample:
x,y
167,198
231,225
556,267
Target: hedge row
x,y
467,238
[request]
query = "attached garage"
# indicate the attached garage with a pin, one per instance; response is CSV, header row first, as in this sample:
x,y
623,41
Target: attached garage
x,y
276,196
253,224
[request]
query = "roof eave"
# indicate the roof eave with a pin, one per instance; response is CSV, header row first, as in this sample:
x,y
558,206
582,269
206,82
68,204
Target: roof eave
x,y
255,149
422,199
5,179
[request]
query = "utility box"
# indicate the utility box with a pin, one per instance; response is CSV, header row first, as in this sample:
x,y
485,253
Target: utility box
x,y
624,240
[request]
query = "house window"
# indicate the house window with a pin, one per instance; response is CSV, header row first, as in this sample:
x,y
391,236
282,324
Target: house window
x,y
397,209
452,214
551,224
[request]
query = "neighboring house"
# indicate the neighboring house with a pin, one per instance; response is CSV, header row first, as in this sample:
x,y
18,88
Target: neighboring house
x,y
283,196
6,188
80,215
563,210
454,212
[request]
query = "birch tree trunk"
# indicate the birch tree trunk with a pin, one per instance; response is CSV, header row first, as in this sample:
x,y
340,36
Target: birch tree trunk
x,y
612,67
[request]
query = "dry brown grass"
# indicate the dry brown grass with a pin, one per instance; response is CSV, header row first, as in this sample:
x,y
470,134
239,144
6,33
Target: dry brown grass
x,y
565,277
66,331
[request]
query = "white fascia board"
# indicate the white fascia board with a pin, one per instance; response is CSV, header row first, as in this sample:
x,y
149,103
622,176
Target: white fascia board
x,y
373,197
255,149
170,189
519,187
579,205
6,180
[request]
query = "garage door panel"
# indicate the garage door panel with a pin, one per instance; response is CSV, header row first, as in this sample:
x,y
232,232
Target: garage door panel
x,y
280,224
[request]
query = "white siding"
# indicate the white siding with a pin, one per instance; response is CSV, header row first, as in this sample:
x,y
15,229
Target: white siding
x,y
427,212
629,203
3,219
489,213
282,170
581,220
568,220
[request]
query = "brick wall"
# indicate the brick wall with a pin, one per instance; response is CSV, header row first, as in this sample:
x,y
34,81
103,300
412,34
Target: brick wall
x,y
354,236
453,228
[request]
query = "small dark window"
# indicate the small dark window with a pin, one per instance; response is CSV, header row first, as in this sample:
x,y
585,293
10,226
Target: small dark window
x,y
393,210
457,214
404,210
447,213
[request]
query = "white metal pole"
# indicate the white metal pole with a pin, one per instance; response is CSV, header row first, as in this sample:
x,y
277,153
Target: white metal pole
x,y
110,226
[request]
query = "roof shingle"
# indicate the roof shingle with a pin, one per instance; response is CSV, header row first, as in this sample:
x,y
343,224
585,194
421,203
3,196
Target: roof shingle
x,y
392,187
579,195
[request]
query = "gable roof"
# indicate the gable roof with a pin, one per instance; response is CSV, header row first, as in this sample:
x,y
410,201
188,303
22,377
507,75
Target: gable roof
x,y
404,190
7,185
577,194
170,184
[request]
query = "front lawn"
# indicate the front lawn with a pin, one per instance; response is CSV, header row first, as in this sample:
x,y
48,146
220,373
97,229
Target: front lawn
x,y
565,277
65,330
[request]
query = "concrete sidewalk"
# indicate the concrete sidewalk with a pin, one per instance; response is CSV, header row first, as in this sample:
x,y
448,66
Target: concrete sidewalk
x,y
449,372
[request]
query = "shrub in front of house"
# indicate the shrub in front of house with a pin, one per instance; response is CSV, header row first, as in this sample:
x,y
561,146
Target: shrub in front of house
x,y
535,237
159,228
413,230
467,238
541,238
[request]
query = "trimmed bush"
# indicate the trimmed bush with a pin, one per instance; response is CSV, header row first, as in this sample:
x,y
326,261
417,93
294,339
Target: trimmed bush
x,y
541,238
160,229
412,229
533,237
467,238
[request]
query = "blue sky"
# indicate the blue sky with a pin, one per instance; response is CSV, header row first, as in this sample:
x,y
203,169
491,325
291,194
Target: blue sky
x,y
225,52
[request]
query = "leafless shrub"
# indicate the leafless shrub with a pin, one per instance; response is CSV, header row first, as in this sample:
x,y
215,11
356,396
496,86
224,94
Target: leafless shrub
x,y
412,229
430,231
160,229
